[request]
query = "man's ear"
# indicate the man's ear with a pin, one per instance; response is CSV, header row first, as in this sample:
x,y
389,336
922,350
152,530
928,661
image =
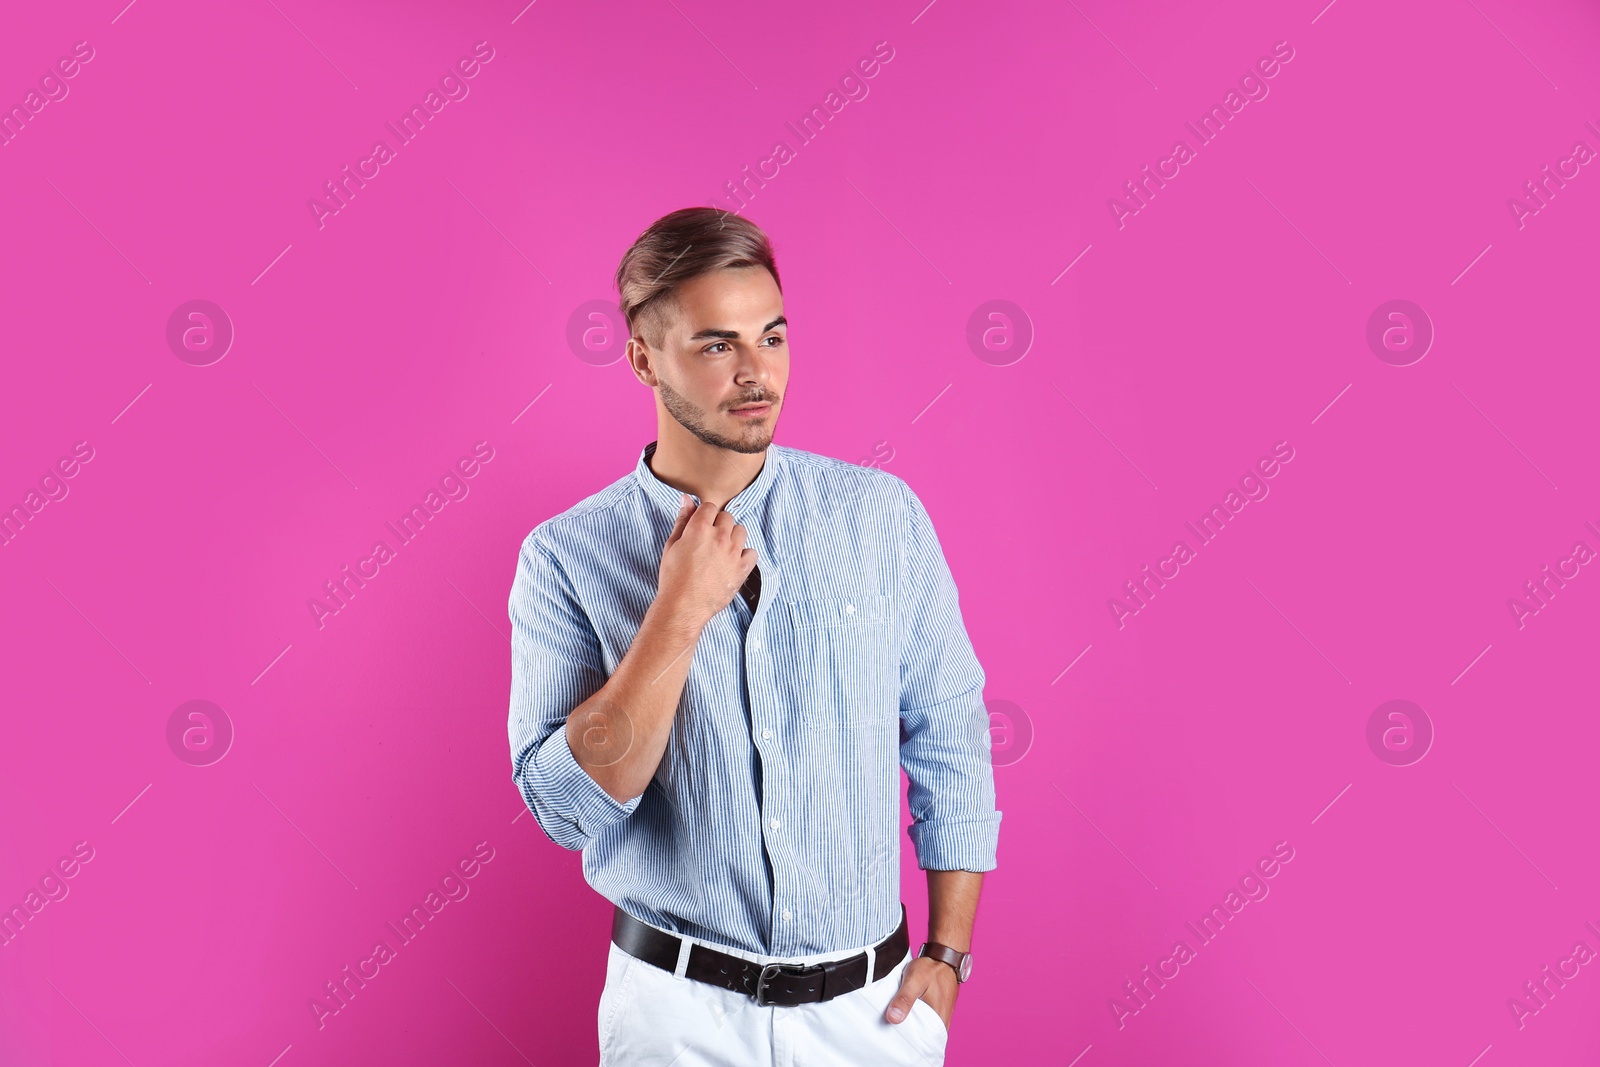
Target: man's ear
x,y
642,362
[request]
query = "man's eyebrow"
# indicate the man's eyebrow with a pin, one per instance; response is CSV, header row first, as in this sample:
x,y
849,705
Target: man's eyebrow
x,y
733,335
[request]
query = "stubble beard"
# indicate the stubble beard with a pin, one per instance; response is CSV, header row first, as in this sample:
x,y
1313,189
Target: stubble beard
x,y
755,439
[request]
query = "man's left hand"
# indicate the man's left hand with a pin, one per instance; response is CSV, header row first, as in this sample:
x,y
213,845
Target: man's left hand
x,y
926,979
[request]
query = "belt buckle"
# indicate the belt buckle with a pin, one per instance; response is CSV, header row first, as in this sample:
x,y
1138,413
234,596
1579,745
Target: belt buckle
x,y
771,971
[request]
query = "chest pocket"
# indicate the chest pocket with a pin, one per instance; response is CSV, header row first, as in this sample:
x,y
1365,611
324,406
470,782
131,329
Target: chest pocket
x,y
843,644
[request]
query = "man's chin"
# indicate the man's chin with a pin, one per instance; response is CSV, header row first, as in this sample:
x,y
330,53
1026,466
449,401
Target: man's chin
x,y
751,440
750,445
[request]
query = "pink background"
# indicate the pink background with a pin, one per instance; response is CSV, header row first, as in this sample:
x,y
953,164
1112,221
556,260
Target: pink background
x,y
1230,313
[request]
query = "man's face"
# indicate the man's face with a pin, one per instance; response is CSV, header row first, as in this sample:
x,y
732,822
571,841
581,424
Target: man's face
x,y
725,347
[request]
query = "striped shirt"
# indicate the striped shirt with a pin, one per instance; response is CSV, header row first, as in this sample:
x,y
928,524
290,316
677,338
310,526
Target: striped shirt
x,y
772,824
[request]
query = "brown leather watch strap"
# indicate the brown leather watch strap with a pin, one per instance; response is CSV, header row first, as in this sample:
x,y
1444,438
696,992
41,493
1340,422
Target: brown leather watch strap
x,y
945,954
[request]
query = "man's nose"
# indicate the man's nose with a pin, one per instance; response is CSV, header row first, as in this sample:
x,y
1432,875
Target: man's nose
x,y
752,367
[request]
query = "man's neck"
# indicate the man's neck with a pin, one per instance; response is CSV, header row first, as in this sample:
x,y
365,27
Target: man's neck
x,y
715,475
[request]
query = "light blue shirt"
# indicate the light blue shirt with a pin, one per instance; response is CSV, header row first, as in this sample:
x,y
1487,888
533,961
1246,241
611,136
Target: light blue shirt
x,y
772,824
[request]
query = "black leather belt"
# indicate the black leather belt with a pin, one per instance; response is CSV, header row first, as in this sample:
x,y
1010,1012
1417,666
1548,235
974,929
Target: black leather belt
x,y
777,984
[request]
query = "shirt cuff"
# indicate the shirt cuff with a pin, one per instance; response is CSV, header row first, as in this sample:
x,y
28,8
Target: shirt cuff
x,y
573,794
957,844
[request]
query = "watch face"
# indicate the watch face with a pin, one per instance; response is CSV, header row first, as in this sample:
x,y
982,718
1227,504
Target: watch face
x,y
966,967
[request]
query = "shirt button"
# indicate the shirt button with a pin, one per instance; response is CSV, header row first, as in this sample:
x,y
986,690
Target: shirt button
x,y
773,824
785,914
849,609
766,734
756,644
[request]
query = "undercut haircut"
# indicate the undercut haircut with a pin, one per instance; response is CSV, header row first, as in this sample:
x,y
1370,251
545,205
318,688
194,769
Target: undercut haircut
x,y
677,248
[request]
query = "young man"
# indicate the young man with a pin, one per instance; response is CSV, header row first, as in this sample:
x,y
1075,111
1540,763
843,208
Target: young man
x,y
719,665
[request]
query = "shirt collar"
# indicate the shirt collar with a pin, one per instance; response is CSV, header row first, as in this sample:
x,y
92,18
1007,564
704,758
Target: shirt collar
x,y
739,507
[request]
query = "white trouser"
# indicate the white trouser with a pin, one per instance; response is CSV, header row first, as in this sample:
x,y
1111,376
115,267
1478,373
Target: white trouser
x,y
654,1018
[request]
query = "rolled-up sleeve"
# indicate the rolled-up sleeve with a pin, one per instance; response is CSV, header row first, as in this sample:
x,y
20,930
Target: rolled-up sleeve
x,y
944,727
556,665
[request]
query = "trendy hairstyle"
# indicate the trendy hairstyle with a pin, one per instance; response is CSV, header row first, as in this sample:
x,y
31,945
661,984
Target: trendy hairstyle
x,y
677,248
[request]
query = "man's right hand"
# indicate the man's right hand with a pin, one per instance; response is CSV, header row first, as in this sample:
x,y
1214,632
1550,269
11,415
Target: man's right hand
x,y
619,734
703,563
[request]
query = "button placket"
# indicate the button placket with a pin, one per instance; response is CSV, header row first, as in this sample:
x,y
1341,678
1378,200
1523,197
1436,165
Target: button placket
x,y
770,587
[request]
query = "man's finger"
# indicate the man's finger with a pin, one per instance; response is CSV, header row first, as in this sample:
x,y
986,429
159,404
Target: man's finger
x,y
685,512
911,988
705,513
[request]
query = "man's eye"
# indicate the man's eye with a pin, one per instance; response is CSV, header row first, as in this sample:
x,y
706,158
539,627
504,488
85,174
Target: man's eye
x,y
776,338
719,344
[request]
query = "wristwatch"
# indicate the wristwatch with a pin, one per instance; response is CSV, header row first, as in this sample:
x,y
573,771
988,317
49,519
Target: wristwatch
x,y
960,961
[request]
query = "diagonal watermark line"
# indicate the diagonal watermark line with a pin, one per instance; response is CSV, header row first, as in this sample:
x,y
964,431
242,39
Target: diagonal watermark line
x,y
313,44
1469,266
1332,402
274,263
274,663
1080,1055
930,404
530,404
88,1020
308,440
1297,229
310,842
1069,266
1331,803
669,266
481,615
662,790
97,630
668,667
1508,840
1513,44
97,229
1102,433
1469,666
490,1021
1323,12
123,12
132,402
1102,833
713,44
1285,1018
900,232
1480,1055
1071,665
131,803
524,11
923,12
499,231
280,1055
1113,44
1299,631
1502,433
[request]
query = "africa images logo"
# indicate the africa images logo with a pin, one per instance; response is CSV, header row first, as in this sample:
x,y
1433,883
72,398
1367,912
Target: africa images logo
x,y
1139,992
452,87
1252,87
338,593
454,886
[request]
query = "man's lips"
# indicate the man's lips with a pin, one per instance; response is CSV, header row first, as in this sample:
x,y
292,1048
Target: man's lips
x,y
752,411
